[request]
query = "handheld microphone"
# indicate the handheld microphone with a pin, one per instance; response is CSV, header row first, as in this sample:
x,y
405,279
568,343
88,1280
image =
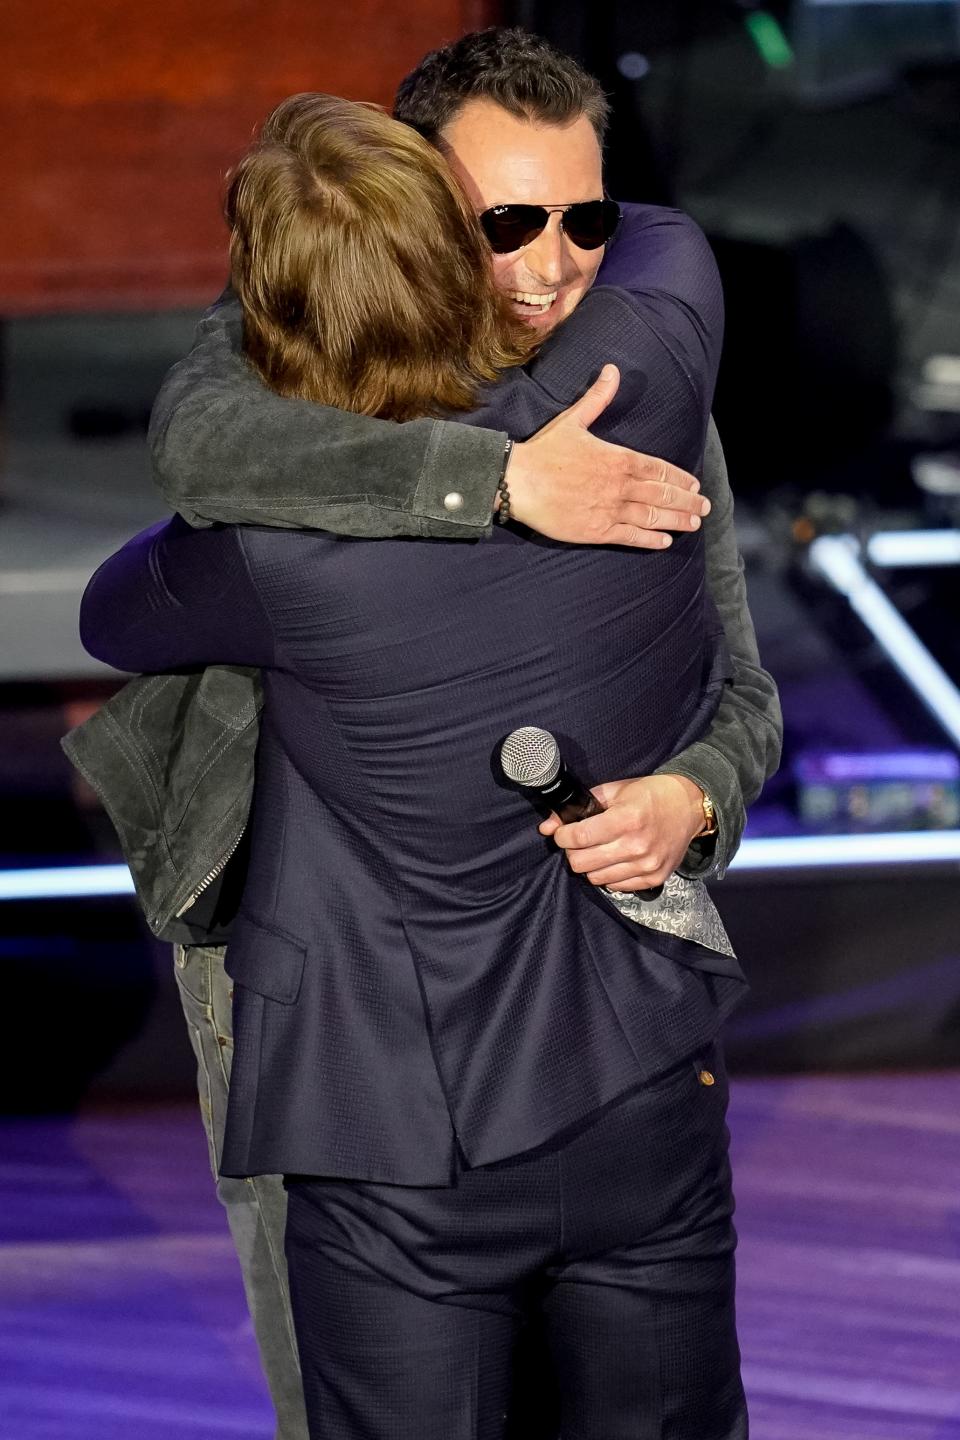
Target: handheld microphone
x,y
531,760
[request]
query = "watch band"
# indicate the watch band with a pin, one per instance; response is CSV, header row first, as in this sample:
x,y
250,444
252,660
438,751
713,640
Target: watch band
x,y
710,826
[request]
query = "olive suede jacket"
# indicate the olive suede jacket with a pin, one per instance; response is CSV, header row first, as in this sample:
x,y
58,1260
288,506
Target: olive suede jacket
x,y
172,755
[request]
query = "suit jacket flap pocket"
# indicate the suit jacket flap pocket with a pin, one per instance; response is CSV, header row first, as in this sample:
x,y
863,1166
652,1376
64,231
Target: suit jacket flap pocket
x,y
265,960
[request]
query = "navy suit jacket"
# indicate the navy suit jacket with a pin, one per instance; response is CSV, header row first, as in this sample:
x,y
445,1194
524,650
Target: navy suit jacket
x,y
415,968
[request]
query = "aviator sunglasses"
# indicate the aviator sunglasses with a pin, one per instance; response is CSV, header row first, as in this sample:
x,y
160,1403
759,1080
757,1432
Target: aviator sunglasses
x,y
588,225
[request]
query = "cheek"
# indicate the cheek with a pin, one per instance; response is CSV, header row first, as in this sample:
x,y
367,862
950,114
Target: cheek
x,y
569,303
590,262
581,282
504,272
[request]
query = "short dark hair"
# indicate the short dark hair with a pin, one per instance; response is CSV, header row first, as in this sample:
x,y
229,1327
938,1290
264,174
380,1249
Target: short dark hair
x,y
520,71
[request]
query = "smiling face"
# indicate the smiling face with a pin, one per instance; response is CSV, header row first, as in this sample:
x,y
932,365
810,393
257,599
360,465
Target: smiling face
x,y
503,160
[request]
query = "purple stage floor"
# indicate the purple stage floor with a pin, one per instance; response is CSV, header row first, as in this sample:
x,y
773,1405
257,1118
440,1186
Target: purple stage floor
x,y
122,1316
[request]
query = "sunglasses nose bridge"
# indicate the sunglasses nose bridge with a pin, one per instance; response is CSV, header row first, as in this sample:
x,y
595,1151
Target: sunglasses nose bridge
x,y
544,254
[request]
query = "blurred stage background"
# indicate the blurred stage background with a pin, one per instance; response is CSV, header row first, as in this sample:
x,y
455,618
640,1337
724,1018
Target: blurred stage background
x,y
816,142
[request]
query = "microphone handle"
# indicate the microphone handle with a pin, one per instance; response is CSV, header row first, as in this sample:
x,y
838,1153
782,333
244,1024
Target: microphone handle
x,y
580,806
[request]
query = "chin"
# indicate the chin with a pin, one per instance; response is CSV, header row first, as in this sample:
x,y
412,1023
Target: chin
x,y
543,324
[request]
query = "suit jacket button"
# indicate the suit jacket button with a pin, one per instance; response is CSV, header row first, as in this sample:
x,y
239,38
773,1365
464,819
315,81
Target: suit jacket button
x,y
453,501
706,1078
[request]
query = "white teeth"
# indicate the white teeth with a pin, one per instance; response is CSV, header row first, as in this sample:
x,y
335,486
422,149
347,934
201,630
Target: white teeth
x,y
542,302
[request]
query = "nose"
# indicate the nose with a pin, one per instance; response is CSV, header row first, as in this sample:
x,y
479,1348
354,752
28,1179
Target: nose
x,y
545,255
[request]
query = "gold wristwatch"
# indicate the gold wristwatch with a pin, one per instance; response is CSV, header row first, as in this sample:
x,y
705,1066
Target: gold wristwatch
x,y
710,826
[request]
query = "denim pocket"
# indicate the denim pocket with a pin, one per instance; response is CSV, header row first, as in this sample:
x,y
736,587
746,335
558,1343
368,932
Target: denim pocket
x,y
192,968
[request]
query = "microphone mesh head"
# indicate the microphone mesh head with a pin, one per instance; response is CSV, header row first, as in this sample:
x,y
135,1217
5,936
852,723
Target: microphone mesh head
x,y
530,756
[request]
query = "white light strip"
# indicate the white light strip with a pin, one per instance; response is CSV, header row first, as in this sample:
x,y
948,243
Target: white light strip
x,y
892,548
65,882
43,582
838,561
791,852
838,4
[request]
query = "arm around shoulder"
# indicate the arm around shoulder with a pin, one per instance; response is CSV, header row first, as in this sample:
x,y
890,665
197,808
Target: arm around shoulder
x,y
226,448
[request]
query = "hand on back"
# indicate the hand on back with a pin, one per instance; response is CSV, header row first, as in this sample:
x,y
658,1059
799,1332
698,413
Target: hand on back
x,y
567,484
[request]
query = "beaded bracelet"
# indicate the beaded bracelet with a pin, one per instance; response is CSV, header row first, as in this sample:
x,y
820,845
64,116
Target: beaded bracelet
x,y
503,514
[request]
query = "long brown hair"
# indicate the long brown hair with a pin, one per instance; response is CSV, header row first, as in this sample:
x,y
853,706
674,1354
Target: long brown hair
x,y
363,274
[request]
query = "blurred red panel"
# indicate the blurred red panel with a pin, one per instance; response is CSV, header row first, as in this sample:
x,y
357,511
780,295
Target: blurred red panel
x,y
121,119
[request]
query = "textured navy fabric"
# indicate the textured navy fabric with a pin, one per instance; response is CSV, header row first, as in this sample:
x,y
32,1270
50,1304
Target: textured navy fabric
x,y
416,969
449,967
617,1245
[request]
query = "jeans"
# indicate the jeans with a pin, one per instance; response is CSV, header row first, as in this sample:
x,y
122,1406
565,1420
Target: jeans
x,y
256,1208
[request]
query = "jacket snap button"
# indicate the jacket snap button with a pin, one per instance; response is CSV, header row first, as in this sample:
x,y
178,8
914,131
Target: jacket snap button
x,y
453,501
706,1078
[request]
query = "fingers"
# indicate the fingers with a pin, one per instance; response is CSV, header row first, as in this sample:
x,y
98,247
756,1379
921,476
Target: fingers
x,y
605,793
609,791
647,504
637,872
654,469
594,401
652,481
660,517
599,849
589,834
628,872
647,526
598,859
631,883
637,539
666,498
572,486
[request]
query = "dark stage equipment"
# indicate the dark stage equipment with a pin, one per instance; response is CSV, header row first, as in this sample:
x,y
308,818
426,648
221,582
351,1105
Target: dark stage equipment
x,y
811,339
810,353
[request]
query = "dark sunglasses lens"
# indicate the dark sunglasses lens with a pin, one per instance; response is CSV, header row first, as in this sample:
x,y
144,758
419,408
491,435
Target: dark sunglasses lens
x,y
510,227
591,224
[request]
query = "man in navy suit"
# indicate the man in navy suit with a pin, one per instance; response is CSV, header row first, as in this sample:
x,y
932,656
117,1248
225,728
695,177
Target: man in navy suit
x,y
503,1087
226,448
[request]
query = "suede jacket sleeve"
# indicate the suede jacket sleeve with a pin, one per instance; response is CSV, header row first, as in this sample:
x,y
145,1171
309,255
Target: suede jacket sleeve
x,y
741,749
225,448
